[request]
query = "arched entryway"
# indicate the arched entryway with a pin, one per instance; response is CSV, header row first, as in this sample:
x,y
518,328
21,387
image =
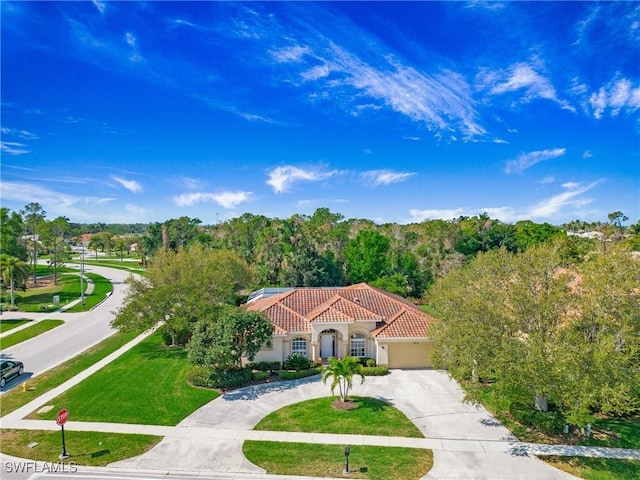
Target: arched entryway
x,y
328,343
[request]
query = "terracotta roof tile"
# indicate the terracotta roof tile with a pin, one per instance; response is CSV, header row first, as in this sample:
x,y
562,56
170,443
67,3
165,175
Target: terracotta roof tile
x,y
295,310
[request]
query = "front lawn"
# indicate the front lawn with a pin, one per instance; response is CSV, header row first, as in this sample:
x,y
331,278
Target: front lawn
x,y
39,298
311,460
26,333
16,398
372,417
146,385
596,468
85,448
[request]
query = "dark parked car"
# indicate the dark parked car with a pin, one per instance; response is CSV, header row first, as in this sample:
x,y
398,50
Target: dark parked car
x,y
10,369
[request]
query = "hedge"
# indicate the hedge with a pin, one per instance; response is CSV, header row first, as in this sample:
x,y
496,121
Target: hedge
x,y
266,366
294,375
374,371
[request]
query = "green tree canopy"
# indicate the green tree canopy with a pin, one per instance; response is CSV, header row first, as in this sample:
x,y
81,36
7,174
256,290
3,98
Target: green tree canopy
x,y
180,285
541,330
341,372
366,256
222,338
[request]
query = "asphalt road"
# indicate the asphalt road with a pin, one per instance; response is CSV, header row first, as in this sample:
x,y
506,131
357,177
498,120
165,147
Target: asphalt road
x,y
79,332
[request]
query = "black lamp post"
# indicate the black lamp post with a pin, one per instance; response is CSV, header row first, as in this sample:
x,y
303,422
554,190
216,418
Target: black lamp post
x,y
347,451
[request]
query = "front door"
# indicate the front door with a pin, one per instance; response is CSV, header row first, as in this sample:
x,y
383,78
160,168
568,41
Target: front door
x,y
327,346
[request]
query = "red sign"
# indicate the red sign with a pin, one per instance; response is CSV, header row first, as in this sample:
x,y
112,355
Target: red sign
x,y
62,417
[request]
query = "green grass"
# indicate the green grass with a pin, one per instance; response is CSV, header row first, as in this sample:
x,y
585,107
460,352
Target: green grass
x,y
372,417
34,330
85,448
146,385
101,287
40,299
596,468
128,265
312,460
6,325
16,398
606,432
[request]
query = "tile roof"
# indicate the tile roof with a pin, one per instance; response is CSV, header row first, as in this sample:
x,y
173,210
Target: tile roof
x,y
296,310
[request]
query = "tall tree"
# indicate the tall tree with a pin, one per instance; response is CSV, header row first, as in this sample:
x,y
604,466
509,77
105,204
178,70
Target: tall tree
x,y
34,218
54,234
11,232
179,286
366,256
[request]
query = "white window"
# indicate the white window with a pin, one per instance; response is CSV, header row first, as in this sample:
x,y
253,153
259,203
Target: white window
x,y
299,345
357,345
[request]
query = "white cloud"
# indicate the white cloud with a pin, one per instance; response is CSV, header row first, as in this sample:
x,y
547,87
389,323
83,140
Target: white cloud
x,y
55,203
190,183
99,5
13,148
292,54
520,77
133,43
587,154
618,96
549,208
436,214
18,133
547,180
316,73
384,177
224,199
504,214
131,185
526,160
414,139
282,178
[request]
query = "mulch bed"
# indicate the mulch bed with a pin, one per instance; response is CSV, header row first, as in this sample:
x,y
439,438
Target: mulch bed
x,y
348,405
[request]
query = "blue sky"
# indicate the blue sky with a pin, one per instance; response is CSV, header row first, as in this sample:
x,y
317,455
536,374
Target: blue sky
x,y
125,112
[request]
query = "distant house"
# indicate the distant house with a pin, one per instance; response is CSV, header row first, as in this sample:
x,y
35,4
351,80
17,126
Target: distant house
x,y
358,320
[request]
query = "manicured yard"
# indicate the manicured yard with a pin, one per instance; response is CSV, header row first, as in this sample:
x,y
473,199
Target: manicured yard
x,y
26,333
146,385
596,468
16,398
40,298
6,325
101,287
85,448
379,463
372,417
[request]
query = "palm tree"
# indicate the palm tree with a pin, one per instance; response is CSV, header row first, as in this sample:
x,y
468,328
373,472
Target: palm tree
x,y
342,371
14,271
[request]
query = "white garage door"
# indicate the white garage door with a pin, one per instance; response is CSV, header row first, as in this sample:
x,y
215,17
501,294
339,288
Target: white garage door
x,y
410,355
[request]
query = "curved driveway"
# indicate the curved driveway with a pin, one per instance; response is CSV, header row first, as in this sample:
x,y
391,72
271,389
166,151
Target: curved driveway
x,y
467,442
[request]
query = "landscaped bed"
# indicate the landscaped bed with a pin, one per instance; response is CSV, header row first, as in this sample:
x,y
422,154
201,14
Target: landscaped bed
x,y
146,385
371,417
379,463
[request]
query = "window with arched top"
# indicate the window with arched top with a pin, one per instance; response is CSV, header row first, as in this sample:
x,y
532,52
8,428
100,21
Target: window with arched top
x,y
357,345
299,345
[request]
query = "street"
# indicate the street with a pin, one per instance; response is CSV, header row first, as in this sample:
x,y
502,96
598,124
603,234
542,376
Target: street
x,y
79,332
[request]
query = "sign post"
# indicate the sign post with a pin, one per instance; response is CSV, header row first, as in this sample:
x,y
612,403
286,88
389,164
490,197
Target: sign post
x,y
61,419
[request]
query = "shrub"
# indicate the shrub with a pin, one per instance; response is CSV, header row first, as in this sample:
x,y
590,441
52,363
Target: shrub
x,y
199,376
266,366
228,378
287,375
370,362
260,375
297,361
374,371
547,422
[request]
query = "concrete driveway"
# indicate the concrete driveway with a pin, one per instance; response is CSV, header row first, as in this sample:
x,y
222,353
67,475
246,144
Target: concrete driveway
x,y
468,443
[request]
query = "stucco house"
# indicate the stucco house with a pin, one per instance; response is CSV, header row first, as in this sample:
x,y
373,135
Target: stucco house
x,y
358,320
